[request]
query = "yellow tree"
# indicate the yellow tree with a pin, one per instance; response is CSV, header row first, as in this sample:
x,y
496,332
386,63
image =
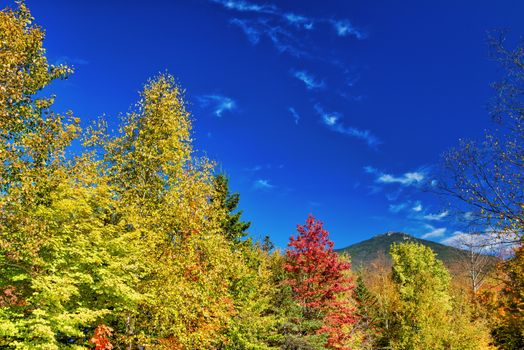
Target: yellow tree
x,y
63,269
426,318
201,288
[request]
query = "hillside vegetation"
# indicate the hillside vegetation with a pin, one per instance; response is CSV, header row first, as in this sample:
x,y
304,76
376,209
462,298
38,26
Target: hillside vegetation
x,y
365,252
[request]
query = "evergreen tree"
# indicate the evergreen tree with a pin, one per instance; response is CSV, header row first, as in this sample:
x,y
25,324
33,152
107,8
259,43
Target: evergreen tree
x,y
232,226
365,328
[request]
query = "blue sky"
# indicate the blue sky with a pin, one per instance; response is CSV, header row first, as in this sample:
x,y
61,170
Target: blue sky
x,y
336,108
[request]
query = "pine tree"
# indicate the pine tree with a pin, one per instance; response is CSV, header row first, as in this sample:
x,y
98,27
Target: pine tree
x,y
232,226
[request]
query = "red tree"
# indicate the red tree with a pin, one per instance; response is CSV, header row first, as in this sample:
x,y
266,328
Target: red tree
x,y
320,281
101,338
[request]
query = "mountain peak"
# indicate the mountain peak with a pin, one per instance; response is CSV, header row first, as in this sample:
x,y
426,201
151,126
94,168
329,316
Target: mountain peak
x,y
365,252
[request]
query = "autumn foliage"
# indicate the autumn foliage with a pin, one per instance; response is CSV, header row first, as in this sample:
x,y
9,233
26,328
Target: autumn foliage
x,y
320,281
134,242
101,339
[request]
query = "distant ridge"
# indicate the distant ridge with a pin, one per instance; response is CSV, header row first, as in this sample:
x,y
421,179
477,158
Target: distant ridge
x,y
365,252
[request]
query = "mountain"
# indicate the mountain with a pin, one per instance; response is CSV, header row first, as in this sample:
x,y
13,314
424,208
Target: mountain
x,y
365,252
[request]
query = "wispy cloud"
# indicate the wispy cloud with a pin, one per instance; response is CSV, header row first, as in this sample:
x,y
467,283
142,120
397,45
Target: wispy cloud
x,y
405,179
282,38
436,217
70,61
396,208
370,170
345,28
260,167
332,121
245,6
294,114
253,169
435,232
308,79
417,207
394,195
411,178
282,28
299,21
218,103
374,189
252,32
262,184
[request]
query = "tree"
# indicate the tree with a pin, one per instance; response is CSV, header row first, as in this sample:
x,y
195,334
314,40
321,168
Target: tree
x,y
320,282
487,176
479,258
386,303
106,248
64,263
425,319
366,326
507,306
234,228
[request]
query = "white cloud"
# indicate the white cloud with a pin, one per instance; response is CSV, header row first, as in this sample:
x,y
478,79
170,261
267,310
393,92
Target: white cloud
x,y
300,21
436,217
345,28
406,179
279,34
434,233
500,244
370,170
294,114
245,6
308,79
218,103
262,184
332,121
417,207
281,27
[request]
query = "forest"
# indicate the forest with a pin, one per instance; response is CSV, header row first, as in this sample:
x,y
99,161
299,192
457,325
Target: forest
x,y
132,240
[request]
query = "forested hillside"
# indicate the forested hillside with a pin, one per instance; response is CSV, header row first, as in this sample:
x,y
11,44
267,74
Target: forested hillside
x,y
366,252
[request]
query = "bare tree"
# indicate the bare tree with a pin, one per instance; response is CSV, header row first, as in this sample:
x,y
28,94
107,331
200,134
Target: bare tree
x,y
487,176
479,252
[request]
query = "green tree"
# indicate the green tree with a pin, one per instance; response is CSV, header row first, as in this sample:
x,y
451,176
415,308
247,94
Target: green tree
x,y
425,319
232,225
366,327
